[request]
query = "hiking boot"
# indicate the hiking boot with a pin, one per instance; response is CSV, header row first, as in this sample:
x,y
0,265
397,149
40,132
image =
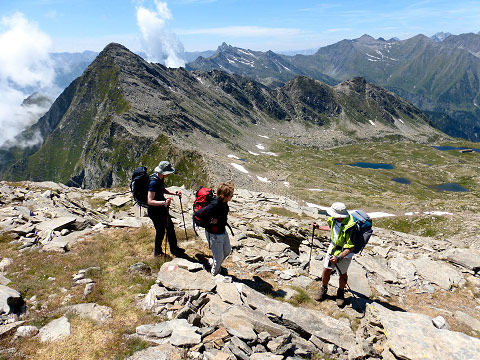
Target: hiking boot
x,y
341,297
178,252
322,294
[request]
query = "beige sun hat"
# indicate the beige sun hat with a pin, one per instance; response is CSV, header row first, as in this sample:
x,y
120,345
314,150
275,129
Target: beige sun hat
x,y
338,210
164,168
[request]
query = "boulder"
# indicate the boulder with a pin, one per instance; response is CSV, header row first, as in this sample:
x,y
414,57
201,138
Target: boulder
x,y
174,277
438,272
56,224
160,352
10,300
91,311
414,336
302,320
55,330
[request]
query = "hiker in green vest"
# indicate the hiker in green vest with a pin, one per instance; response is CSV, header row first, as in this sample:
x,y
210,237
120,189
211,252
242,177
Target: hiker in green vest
x,y
339,253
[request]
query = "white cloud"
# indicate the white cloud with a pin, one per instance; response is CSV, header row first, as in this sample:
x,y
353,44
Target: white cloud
x,y
243,31
24,63
160,45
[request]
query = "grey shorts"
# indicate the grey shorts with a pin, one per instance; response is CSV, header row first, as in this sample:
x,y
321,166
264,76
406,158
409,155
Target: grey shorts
x,y
342,264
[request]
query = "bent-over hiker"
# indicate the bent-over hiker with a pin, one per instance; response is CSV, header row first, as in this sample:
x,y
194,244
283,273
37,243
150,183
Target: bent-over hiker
x,y
215,232
339,253
158,208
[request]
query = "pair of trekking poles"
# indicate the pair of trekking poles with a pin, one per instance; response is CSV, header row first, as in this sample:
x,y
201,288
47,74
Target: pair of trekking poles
x,y
336,265
166,223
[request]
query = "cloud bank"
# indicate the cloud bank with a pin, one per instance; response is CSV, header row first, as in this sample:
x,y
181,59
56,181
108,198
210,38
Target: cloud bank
x,y
159,44
24,64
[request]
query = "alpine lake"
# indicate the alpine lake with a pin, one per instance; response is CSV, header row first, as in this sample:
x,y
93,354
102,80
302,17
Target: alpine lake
x,y
393,177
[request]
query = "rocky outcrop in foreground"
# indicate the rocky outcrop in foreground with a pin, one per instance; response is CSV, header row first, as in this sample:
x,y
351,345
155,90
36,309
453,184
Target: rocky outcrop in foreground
x,y
397,284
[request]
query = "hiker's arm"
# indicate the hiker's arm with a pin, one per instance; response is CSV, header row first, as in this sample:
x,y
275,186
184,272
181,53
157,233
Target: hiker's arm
x,y
177,193
152,202
344,253
324,228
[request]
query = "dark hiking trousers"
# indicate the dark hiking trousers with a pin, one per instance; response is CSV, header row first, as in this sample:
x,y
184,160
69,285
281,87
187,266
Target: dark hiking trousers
x,y
161,219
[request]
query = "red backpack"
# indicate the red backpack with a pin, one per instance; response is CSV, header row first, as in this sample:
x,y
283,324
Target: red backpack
x,y
203,197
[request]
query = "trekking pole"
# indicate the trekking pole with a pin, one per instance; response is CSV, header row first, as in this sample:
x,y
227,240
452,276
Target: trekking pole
x,y
311,246
183,217
166,233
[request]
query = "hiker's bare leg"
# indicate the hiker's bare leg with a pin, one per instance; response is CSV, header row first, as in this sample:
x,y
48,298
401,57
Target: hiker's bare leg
x,y
343,281
326,276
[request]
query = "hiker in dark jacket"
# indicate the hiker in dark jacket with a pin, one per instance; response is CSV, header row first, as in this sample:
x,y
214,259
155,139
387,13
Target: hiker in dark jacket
x,y
339,253
158,209
216,233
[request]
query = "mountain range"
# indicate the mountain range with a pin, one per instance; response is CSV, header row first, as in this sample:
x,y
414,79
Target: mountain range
x,y
440,77
123,111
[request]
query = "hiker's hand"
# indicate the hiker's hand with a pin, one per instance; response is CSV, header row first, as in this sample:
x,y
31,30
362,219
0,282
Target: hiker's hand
x,y
333,259
168,201
178,193
315,225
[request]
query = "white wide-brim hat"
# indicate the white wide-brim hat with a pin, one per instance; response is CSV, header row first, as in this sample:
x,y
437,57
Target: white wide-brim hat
x,y
338,210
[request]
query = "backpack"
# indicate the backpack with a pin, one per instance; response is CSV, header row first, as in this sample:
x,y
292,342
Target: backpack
x,y
203,197
139,186
362,230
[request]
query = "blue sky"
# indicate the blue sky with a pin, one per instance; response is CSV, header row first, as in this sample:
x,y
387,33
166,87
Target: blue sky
x,y
77,25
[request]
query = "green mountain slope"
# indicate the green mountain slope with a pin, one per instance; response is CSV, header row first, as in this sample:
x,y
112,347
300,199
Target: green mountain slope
x,y
124,112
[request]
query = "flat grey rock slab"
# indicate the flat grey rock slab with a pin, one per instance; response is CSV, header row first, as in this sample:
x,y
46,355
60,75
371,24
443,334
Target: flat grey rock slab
x,y
467,258
316,268
467,320
26,331
132,222
55,330
265,356
228,292
9,298
4,280
104,195
438,272
187,265
56,223
378,267
23,229
237,326
174,277
413,336
153,332
403,267
185,336
304,320
212,312
358,281
91,311
4,329
119,201
302,281
160,352
258,320
65,243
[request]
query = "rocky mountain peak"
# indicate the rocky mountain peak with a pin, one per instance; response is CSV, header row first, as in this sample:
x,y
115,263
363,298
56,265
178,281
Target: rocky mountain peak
x,y
224,47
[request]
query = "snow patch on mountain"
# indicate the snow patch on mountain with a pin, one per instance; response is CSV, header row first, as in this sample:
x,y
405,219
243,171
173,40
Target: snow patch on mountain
x,y
239,168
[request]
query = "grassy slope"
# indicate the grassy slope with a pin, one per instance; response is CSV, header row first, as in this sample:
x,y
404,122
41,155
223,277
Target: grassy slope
x,y
373,190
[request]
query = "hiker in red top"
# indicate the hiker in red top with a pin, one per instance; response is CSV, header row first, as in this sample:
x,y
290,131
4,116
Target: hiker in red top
x,y
158,209
217,212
